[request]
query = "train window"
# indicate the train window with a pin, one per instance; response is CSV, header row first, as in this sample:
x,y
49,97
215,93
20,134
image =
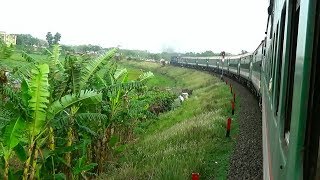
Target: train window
x,y
271,29
274,59
268,62
271,64
265,46
291,70
279,59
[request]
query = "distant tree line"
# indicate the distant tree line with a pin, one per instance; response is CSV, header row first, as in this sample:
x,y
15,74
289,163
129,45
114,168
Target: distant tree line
x,y
29,43
143,55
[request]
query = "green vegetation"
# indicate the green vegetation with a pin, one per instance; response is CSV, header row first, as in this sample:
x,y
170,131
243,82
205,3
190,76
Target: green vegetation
x,y
70,116
53,39
28,43
161,80
6,51
189,139
65,118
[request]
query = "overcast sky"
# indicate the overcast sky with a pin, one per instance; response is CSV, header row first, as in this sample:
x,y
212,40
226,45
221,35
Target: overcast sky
x,y
153,25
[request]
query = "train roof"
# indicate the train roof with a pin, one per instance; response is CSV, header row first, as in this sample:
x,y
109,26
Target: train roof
x,y
218,57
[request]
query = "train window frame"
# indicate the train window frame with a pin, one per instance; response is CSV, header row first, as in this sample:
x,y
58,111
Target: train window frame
x,y
274,59
271,28
264,46
268,62
271,64
269,58
290,74
279,60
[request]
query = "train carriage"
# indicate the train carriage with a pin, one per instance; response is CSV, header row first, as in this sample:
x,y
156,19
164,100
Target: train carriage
x,y
245,66
234,65
256,67
288,99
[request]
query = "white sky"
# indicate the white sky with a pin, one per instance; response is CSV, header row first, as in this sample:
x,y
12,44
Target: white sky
x,y
184,25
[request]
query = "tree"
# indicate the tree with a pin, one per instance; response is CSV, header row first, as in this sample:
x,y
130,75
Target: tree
x,y
56,38
96,48
5,50
208,53
67,49
28,43
244,51
49,39
25,40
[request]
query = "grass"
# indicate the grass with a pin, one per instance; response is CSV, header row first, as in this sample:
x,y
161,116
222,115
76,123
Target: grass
x,y
188,139
160,79
16,60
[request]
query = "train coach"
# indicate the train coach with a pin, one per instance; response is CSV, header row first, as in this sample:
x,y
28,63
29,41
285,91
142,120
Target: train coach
x,y
284,73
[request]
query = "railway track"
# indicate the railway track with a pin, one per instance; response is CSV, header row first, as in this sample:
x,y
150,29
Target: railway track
x,y
247,158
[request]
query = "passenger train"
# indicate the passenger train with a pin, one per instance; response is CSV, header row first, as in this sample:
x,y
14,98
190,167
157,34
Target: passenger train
x,y
284,73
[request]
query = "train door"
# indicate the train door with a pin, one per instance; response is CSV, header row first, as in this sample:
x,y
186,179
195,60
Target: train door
x,y
312,138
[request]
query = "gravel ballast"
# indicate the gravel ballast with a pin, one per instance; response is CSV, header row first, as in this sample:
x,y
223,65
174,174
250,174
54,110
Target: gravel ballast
x,y
247,159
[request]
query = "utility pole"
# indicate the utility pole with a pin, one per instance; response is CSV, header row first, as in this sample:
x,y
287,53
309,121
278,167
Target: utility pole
x,y
222,63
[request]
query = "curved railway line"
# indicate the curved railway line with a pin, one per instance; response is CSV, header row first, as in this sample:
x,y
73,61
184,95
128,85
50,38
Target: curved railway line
x,y
284,74
247,158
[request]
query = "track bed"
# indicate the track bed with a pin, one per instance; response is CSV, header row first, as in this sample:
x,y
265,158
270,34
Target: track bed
x,y
247,159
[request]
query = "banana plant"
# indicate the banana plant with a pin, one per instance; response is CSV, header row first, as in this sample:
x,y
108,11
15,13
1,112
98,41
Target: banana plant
x,y
74,84
92,67
59,89
41,111
82,166
39,93
115,87
12,137
27,57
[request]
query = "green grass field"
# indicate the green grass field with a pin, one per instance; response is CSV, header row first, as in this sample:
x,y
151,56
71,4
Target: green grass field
x,y
188,139
16,60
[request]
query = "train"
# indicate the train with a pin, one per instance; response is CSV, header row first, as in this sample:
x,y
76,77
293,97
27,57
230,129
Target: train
x,y
284,74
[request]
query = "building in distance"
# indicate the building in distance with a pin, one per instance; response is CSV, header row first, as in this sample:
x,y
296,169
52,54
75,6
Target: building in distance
x,y
8,38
